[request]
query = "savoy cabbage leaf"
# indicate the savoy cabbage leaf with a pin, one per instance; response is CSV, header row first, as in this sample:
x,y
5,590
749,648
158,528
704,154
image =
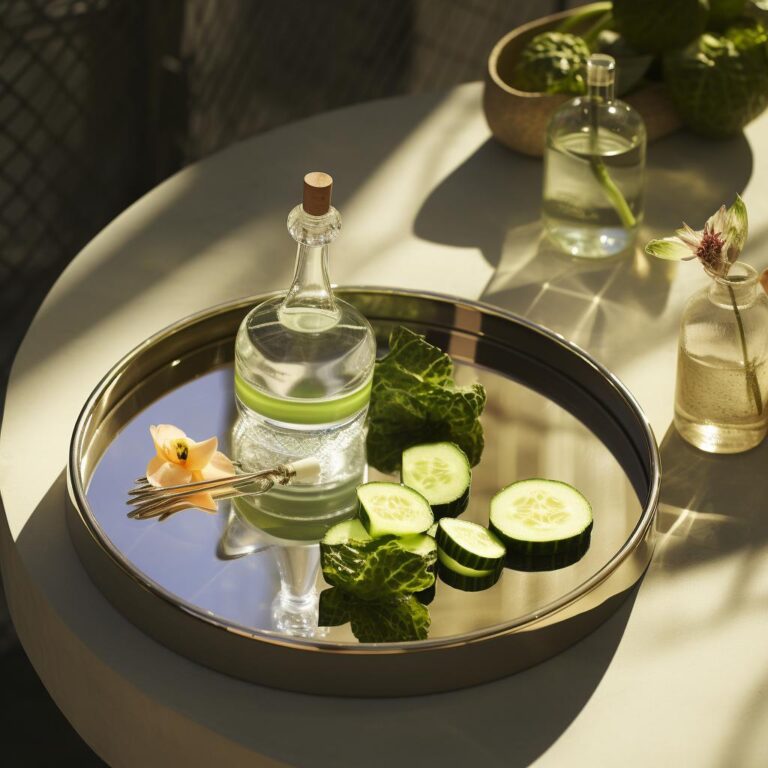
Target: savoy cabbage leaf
x,y
414,400
377,569
381,621
720,82
552,62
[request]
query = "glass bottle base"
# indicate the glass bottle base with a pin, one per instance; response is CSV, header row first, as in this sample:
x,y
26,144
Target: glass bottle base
x,y
590,242
720,438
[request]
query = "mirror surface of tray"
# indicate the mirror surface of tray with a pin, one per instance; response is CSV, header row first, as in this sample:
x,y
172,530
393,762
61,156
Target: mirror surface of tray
x,y
552,412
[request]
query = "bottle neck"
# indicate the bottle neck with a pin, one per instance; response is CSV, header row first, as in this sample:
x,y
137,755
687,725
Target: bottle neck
x,y
309,305
739,287
601,93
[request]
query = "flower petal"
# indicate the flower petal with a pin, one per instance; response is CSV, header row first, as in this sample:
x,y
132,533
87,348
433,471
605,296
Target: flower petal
x,y
670,248
162,473
718,221
736,229
201,453
690,236
163,436
218,466
202,501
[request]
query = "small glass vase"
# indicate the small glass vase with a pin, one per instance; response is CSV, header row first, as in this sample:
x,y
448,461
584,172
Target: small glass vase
x,y
721,399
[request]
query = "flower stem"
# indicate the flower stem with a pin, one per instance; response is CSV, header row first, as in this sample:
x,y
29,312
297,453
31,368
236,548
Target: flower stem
x,y
600,172
753,386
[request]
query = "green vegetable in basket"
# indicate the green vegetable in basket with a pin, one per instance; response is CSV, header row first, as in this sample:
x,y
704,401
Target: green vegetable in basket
x,y
415,400
720,82
657,26
552,62
384,621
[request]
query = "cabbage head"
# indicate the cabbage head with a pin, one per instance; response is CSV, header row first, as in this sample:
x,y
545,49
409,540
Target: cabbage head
x,y
552,62
658,26
720,82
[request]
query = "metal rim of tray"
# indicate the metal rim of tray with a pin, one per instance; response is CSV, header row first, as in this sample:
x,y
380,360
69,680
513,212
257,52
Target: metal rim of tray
x,y
118,383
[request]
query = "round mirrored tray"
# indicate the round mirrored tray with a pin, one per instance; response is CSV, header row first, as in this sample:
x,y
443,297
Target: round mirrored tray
x,y
207,585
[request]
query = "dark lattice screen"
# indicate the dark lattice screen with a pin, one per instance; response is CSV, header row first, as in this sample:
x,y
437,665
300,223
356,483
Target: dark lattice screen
x,y
101,99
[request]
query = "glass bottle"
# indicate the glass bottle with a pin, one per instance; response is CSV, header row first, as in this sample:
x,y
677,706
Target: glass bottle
x,y
594,163
721,399
303,369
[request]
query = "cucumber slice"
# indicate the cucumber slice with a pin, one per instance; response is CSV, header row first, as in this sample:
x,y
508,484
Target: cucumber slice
x,y
420,544
440,472
347,530
467,579
432,530
541,517
470,544
520,562
390,509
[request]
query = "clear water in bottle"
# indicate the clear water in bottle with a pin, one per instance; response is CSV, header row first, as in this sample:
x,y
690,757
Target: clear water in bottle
x,y
577,211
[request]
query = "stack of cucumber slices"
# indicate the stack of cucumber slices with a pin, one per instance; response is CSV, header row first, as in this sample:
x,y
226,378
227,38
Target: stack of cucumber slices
x,y
470,557
534,524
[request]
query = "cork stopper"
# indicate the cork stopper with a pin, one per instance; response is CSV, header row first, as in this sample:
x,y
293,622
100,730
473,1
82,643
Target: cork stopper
x,y
317,193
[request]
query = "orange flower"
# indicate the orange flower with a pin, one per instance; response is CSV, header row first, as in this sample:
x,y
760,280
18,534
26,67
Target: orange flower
x,y
181,460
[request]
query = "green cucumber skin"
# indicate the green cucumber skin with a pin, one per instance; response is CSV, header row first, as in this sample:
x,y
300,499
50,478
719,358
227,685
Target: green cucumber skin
x,y
467,583
461,556
452,508
535,563
426,596
543,548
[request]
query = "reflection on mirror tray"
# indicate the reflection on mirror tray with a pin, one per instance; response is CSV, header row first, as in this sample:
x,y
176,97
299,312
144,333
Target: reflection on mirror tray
x,y
201,559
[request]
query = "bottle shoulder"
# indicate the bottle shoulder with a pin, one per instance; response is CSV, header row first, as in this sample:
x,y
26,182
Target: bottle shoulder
x,y
266,334
581,115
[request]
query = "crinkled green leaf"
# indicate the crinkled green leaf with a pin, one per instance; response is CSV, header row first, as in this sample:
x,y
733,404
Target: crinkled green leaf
x,y
377,569
414,400
552,62
720,82
381,621
657,26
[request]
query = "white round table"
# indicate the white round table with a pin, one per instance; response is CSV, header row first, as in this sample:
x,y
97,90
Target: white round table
x,y
676,677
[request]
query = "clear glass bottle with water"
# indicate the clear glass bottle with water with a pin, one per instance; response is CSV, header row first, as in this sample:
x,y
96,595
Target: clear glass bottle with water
x,y
721,398
303,370
594,165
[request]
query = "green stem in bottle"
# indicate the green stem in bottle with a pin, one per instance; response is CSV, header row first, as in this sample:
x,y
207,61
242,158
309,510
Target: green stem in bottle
x,y
600,72
753,386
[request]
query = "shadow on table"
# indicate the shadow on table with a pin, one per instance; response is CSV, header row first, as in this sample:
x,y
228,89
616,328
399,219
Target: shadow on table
x,y
491,202
506,723
711,505
496,191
